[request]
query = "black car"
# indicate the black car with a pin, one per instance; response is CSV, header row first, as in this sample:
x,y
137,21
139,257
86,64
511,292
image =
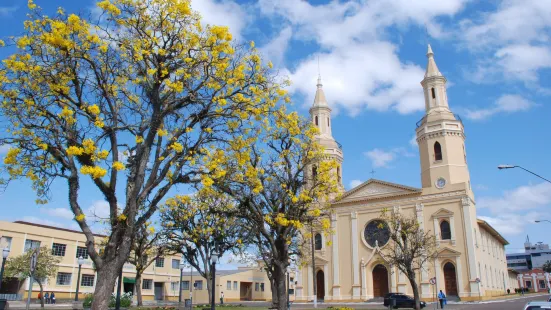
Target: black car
x,y
402,301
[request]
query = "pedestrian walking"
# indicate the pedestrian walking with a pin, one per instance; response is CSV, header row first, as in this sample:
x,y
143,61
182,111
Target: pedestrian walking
x,y
47,298
222,298
442,299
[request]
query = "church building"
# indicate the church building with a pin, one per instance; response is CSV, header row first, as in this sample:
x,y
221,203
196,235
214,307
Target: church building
x,y
471,261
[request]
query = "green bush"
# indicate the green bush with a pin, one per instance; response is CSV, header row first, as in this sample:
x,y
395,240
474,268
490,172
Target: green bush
x,y
126,300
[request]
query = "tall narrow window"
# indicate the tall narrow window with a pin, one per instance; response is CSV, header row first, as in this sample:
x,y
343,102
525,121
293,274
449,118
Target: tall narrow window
x,y
328,124
433,93
464,153
339,174
314,172
318,242
437,151
445,231
316,120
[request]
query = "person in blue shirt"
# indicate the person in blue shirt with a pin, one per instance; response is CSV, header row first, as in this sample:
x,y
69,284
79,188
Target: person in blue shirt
x,y
442,299
47,298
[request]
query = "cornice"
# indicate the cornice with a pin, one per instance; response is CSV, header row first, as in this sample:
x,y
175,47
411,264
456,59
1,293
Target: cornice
x,y
352,206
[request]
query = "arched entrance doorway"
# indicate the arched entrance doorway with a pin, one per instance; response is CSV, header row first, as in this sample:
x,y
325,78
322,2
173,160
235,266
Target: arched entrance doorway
x,y
320,285
450,279
380,281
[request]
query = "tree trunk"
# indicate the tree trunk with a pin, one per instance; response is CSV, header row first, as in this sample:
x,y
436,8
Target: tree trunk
x,y
413,283
138,288
105,285
280,286
41,294
273,287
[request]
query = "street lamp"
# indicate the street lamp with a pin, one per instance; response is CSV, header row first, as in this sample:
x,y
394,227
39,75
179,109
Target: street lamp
x,y
5,253
213,260
80,262
501,167
182,265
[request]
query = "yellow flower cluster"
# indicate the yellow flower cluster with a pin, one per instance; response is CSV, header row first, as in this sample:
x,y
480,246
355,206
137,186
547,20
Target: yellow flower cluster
x,y
11,156
161,132
139,139
109,7
118,166
177,147
121,218
74,150
80,217
95,172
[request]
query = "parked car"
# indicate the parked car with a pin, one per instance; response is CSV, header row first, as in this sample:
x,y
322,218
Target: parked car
x,y
402,301
537,305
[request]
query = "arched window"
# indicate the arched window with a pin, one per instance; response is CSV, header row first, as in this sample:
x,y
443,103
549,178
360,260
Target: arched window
x,y
318,242
437,151
445,231
316,120
433,93
314,172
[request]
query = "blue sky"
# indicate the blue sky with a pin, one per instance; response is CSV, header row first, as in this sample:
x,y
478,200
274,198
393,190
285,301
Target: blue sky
x,y
495,55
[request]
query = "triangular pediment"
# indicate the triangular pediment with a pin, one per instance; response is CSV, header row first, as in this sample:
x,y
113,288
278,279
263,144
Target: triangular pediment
x,y
447,252
373,188
442,213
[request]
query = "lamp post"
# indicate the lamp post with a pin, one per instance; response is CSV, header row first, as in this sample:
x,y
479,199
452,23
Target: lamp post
x,y
5,253
213,260
80,262
182,265
501,167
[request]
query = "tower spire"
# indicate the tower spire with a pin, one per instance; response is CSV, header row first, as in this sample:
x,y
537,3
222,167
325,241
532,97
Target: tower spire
x,y
432,68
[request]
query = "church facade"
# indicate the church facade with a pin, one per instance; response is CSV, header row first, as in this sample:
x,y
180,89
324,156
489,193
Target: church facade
x,y
471,261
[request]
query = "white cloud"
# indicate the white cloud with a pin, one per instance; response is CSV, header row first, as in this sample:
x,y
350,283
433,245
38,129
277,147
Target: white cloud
x,y
355,183
274,50
511,224
380,158
516,35
7,10
222,13
4,148
519,199
359,66
413,141
43,221
505,104
99,210
63,213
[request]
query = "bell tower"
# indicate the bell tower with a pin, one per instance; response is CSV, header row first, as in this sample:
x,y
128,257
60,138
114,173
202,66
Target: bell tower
x,y
440,135
321,118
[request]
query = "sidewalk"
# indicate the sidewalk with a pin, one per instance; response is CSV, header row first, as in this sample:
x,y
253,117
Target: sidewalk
x,y
499,298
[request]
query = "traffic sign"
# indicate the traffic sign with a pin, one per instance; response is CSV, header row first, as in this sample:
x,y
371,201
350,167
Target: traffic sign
x,y
432,281
477,280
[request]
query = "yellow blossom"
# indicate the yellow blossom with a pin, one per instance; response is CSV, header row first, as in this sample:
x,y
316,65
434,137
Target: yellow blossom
x,y
74,150
11,156
161,132
95,171
121,218
139,139
80,217
93,109
118,166
176,146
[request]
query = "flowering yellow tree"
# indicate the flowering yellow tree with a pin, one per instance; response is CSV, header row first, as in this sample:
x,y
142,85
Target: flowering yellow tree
x,y
134,98
196,227
275,195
